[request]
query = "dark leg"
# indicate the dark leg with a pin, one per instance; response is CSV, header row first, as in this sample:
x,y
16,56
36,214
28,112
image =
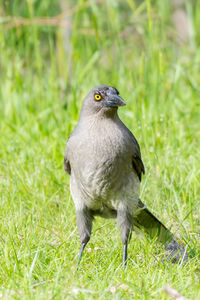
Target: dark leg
x,y
125,221
81,253
84,224
125,255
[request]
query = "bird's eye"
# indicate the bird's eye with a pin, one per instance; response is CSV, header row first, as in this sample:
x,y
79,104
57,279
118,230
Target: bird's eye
x,y
97,97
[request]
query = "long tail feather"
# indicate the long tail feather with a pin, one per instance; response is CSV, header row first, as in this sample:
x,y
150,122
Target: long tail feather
x,y
145,220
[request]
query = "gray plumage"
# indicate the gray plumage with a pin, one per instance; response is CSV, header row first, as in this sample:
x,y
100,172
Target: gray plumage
x,y
104,161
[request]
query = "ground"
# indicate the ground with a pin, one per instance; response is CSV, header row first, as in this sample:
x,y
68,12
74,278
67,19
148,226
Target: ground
x,y
43,84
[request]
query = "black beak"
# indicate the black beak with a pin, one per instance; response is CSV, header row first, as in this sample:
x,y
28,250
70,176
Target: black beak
x,y
113,100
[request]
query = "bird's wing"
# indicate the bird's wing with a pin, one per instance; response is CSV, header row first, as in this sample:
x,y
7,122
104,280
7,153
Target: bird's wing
x,y
70,146
67,166
137,162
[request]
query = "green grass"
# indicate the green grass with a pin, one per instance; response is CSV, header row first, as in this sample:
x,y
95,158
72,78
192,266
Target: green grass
x,y
131,45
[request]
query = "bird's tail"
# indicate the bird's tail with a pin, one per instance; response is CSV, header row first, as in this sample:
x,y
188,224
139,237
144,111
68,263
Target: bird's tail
x,y
146,221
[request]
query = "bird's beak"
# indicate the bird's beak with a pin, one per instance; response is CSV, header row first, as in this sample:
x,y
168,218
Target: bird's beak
x,y
114,100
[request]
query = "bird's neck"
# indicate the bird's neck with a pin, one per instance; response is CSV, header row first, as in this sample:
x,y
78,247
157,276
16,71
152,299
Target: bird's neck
x,y
108,113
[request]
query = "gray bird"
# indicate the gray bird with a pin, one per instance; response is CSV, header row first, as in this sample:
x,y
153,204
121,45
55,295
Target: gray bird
x,y
104,161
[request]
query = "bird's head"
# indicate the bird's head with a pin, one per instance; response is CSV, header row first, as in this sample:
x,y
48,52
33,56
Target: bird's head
x,y
103,98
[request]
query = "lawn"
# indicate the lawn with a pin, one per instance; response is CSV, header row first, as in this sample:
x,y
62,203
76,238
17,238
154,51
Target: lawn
x,y
48,63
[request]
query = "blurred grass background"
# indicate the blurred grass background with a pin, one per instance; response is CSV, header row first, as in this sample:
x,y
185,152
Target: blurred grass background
x,y
51,54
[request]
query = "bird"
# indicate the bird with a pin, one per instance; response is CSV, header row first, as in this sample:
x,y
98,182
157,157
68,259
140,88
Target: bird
x,y
103,159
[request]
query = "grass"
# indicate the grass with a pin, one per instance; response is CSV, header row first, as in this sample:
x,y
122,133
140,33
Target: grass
x,y
131,45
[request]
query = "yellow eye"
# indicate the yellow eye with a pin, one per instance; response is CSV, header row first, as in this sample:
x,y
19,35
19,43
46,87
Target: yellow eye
x,y
97,97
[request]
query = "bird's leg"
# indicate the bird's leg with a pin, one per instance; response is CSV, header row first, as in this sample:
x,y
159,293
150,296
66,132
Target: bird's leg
x,y
125,255
81,253
84,224
125,220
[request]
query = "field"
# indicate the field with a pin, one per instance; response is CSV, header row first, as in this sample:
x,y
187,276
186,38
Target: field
x,y
51,54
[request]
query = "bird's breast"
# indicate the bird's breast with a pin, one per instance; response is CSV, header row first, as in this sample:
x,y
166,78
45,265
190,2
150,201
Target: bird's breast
x,y
101,165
